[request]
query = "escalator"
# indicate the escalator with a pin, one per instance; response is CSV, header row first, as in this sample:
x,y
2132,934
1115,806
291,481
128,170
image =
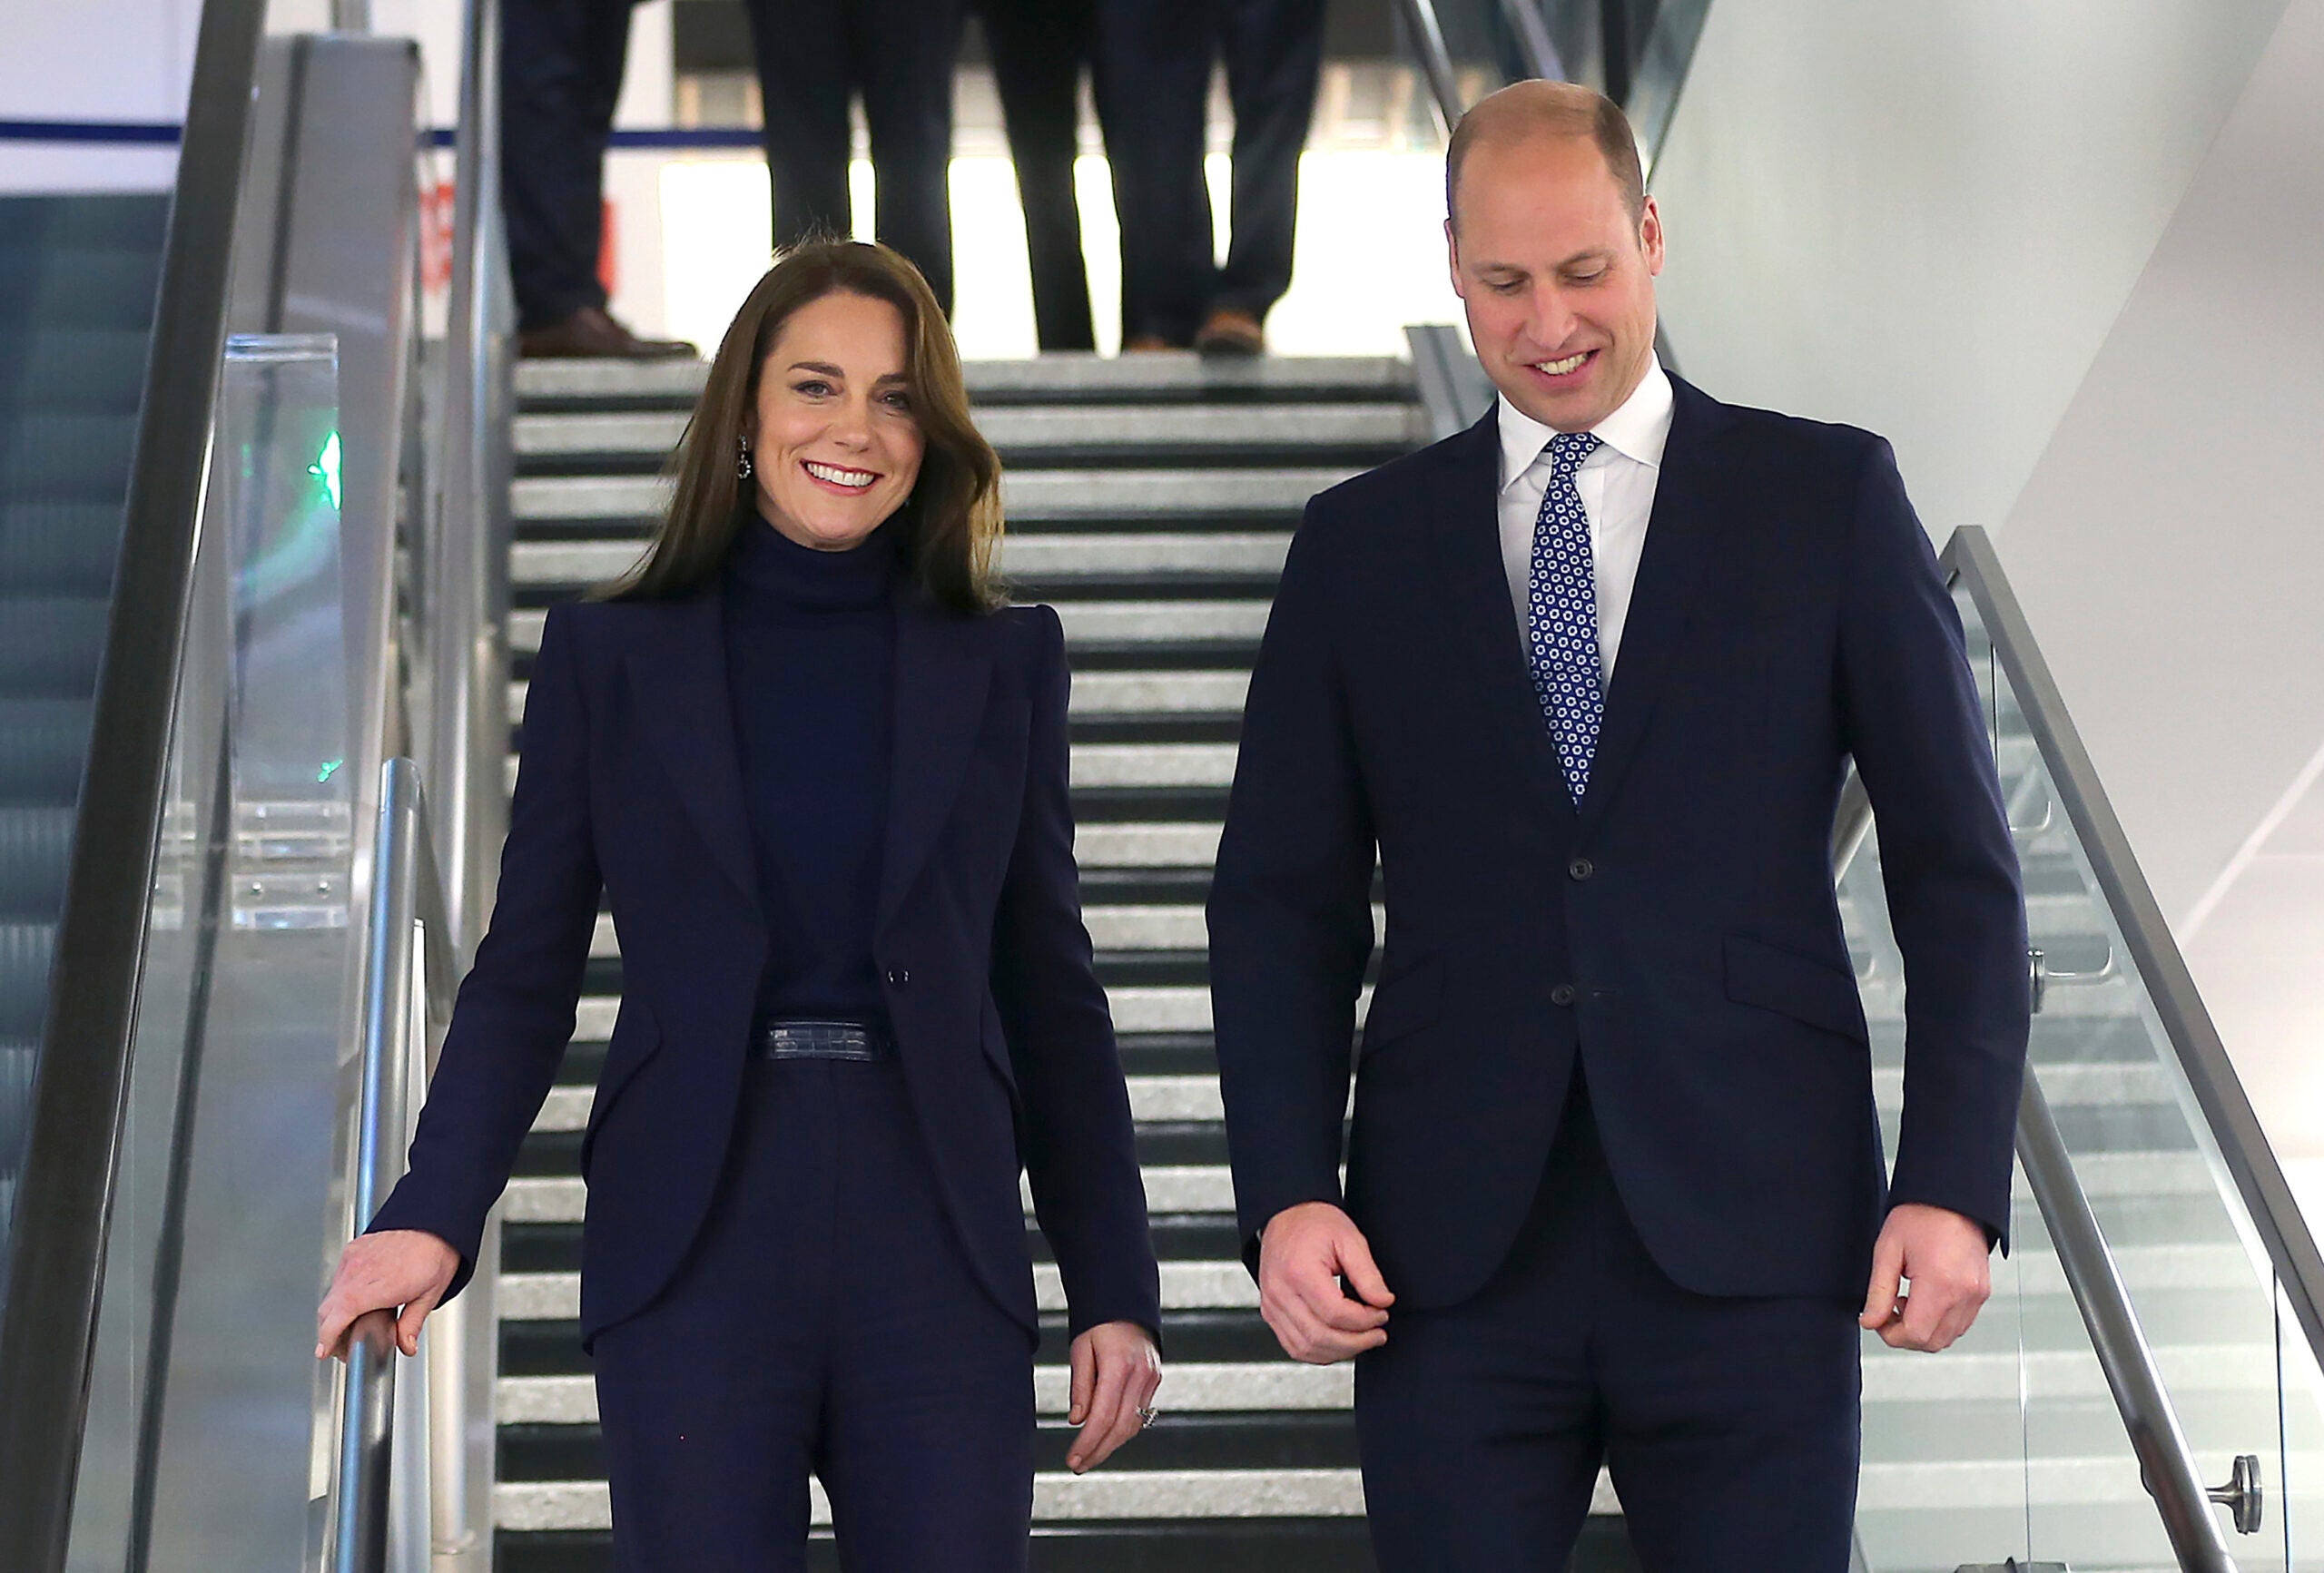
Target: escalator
x,y
78,276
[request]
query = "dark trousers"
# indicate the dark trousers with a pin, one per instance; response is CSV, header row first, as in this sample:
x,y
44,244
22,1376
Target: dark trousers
x,y
1039,49
827,1320
813,57
560,75
1730,1426
1154,61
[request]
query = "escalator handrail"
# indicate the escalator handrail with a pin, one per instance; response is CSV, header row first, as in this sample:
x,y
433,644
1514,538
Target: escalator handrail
x,y
1969,560
408,939
65,1194
466,597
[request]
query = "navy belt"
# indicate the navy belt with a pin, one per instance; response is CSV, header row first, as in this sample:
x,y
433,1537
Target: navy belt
x,y
819,1040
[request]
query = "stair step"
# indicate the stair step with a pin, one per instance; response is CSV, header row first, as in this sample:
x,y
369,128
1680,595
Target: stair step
x,y
1048,379
1034,436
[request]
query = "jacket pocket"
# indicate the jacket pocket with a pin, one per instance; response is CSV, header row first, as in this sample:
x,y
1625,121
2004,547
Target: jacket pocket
x,y
1405,1000
1801,986
637,1036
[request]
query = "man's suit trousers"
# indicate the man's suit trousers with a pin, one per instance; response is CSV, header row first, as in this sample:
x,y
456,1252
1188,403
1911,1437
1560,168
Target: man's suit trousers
x,y
1730,1426
1154,64
827,1320
814,56
560,76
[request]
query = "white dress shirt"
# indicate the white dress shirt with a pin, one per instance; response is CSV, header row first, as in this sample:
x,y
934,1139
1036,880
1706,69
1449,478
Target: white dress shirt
x,y
1616,485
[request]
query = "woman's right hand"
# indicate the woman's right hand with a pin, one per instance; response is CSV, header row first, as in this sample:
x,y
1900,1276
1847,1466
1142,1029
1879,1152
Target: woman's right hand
x,y
401,1271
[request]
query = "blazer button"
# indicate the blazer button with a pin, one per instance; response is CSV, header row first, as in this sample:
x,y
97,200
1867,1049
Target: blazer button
x,y
1581,869
1562,994
899,976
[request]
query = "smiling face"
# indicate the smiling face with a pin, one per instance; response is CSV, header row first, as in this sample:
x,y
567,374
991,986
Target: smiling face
x,y
1558,280
834,442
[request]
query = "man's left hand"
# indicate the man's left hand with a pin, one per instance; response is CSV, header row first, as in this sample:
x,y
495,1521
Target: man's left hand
x,y
1946,1259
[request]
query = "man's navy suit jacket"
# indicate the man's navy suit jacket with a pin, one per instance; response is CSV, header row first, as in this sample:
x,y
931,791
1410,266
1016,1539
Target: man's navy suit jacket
x,y
629,782
1678,933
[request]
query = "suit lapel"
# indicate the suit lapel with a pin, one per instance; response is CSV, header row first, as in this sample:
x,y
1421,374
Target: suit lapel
x,y
942,676
679,685
1468,548
1688,502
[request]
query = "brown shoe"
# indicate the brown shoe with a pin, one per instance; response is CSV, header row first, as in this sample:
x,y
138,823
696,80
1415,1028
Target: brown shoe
x,y
589,333
1147,344
1231,332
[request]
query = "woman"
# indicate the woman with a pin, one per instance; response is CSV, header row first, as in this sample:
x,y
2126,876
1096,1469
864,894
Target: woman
x,y
821,777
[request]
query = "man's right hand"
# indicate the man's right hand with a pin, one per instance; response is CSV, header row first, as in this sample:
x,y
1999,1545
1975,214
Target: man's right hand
x,y
401,1271
1304,1252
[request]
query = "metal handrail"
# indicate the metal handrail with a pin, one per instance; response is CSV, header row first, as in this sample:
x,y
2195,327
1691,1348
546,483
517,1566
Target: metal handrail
x,y
466,599
406,1003
2259,1179
1435,63
463,646
48,1333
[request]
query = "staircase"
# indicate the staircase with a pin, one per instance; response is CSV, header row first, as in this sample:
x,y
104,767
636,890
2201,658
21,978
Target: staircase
x,y
1150,499
78,276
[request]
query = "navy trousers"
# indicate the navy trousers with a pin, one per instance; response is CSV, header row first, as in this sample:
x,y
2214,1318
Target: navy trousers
x,y
1153,82
1730,1426
560,76
827,1322
813,57
1039,49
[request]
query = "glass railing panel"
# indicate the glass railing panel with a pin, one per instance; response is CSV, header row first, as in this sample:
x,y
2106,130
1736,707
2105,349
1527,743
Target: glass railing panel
x,y
1946,1438
206,1318
2197,1275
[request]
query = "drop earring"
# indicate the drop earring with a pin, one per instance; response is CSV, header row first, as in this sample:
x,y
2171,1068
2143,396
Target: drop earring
x,y
742,459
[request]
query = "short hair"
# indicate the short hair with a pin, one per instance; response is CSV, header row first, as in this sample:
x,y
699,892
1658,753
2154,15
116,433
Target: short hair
x,y
1529,108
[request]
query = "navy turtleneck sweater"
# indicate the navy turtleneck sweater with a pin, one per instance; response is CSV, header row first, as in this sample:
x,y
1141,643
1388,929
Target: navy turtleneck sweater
x,y
811,656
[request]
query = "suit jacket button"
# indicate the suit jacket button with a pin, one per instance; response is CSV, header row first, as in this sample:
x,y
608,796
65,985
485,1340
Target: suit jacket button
x,y
1581,869
1562,994
899,976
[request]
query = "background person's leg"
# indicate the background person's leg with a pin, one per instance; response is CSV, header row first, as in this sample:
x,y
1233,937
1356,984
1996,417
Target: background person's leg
x,y
804,88
1039,49
904,54
1274,60
560,75
1153,65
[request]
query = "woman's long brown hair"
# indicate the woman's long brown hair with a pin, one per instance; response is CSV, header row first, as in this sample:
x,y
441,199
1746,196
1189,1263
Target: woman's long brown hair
x,y
949,527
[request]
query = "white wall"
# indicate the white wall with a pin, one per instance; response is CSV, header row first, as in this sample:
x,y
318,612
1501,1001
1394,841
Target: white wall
x,y
2170,550
1922,215
105,60
2067,256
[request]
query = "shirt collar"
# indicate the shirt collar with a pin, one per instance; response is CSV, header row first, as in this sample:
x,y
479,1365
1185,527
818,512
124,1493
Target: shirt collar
x,y
1638,430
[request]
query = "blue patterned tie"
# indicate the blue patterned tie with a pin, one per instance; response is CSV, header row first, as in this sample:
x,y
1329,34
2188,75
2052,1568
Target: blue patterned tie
x,y
1562,600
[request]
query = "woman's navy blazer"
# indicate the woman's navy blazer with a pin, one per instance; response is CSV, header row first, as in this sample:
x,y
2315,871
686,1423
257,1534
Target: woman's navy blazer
x,y
629,784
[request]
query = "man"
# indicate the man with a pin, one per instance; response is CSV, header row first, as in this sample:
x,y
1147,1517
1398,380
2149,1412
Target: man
x,y
1153,79
561,65
1614,1186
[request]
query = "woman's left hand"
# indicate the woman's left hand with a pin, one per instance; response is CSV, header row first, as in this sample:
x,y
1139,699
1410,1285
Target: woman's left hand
x,y
1116,1369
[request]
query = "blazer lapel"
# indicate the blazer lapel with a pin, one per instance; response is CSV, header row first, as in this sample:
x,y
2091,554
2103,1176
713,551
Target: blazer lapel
x,y
942,676
1468,548
1687,506
679,683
